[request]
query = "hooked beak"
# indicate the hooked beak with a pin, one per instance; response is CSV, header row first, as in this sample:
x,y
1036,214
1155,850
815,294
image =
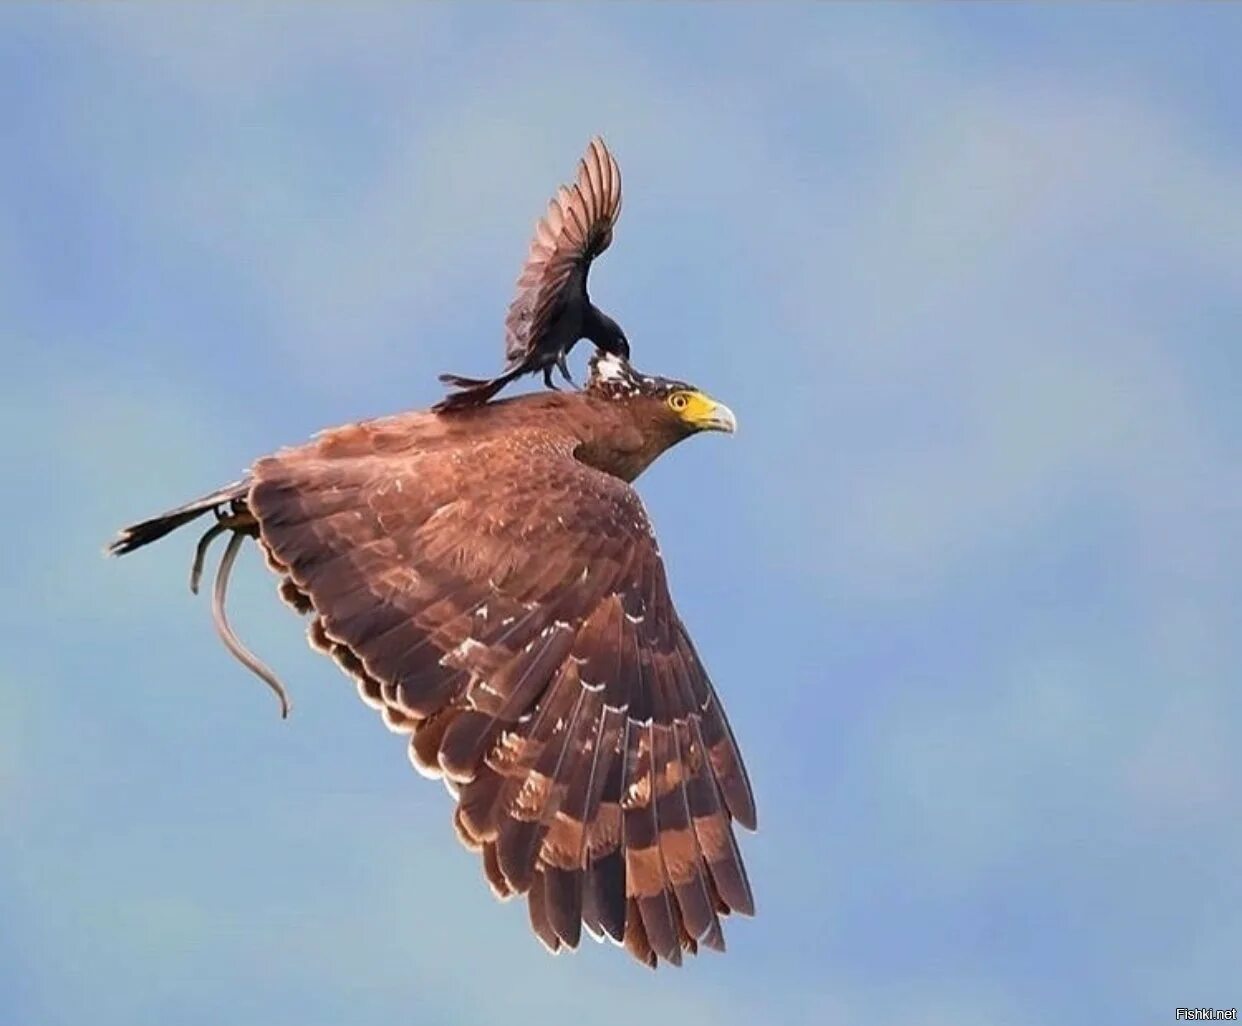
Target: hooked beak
x,y
711,415
722,419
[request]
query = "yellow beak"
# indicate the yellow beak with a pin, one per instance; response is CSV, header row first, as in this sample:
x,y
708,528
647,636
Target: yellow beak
x,y
704,413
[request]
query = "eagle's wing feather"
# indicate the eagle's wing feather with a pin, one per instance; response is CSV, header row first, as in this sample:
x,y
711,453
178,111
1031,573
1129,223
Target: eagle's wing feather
x,y
575,230
506,605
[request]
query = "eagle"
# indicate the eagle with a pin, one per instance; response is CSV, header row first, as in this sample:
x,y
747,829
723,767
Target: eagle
x,y
552,310
489,578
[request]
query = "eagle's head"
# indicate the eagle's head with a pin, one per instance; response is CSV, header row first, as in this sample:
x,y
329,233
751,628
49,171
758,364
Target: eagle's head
x,y
665,400
659,413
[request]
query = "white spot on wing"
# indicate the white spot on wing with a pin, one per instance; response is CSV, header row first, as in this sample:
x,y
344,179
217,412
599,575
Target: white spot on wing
x,y
466,648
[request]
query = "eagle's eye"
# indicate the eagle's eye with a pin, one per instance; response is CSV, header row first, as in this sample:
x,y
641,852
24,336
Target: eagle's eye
x,y
679,401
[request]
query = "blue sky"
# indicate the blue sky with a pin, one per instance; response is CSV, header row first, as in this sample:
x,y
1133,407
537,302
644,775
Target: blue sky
x,y
967,578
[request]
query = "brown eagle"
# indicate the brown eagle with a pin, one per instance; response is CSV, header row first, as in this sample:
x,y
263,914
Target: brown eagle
x,y
490,580
552,311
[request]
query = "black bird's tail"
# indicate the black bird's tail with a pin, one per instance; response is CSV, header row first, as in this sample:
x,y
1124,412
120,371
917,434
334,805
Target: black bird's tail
x,y
473,391
229,506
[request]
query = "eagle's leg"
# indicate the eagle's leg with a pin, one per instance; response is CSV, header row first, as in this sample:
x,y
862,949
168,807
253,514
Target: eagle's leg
x,y
563,367
241,523
547,377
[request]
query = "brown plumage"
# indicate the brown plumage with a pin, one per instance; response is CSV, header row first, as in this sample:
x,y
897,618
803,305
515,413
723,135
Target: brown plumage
x,y
489,579
552,310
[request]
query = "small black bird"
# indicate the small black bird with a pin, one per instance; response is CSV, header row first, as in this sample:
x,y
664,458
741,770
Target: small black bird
x,y
552,310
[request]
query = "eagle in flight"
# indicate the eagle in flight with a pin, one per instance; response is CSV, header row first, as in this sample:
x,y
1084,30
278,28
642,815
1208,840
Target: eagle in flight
x,y
488,577
552,311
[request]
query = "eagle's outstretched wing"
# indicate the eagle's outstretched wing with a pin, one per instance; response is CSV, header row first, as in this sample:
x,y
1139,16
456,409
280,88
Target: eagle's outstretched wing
x,y
576,229
507,607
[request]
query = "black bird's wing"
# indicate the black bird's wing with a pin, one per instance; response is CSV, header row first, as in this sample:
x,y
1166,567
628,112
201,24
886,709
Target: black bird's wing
x,y
576,229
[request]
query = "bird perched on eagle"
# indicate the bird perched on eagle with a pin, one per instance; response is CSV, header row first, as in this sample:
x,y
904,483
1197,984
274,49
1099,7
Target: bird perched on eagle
x,y
489,578
552,311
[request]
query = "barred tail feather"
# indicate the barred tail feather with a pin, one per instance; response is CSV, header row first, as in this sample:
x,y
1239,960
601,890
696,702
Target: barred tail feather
x,y
237,520
137,535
